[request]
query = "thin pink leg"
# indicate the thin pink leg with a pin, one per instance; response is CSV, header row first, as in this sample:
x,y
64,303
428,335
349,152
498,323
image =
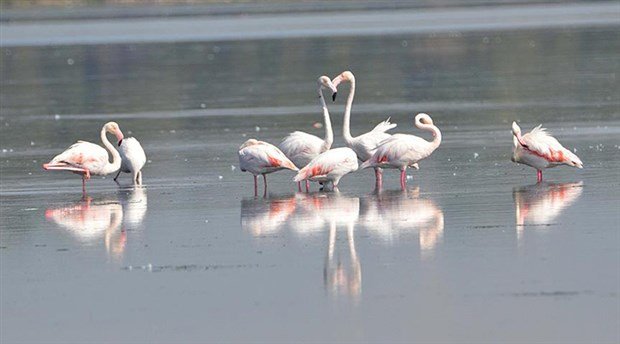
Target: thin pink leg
x,y
299,186
255,186
307,186
403,180
539,175
265,181
84,184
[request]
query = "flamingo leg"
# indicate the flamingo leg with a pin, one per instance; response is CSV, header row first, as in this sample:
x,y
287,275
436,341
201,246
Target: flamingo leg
x,y
84,184
299,186
265,181
255,186
307,186
403,179
119,172
539,175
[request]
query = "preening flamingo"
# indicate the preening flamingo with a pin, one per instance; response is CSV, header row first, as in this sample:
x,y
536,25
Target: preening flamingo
x,y
87,158
302,147
258,157
402,150
540,150
133,159
329,166
366,144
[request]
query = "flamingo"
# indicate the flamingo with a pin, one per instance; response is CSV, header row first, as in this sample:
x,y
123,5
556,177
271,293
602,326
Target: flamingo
x,y
302,147
87,158
133,159
541,150
258,157
402,150
366,144
329,166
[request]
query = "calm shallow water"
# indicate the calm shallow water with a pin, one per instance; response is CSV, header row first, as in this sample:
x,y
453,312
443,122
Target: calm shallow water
x,y
474,250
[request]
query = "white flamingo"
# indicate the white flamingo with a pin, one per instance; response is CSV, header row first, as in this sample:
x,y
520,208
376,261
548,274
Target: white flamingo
x,y
302,147
258,157
329,167
402,150
366,144
132,159
87,158
541,150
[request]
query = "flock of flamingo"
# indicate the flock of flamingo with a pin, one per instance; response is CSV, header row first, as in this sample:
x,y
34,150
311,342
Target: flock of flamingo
x,y
311,157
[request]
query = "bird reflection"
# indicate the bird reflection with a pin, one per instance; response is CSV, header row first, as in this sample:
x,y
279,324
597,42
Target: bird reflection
x,y
92,220
391,214
387,214
541,203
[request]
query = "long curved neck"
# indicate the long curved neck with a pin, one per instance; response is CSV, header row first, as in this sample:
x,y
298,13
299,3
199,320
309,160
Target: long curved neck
x,y
329,133
116,158
433,129
346,122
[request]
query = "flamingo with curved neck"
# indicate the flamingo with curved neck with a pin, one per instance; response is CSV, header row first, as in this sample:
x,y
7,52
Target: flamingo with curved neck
x,y
403,150
366,144
87,158
301,147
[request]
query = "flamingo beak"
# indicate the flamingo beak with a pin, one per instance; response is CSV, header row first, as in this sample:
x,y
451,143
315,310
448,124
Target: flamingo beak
x,y
334,96
119,136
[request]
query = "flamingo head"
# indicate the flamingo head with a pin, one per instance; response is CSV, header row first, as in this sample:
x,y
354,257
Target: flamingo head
x,y
113,128
344,76
423,118
326,83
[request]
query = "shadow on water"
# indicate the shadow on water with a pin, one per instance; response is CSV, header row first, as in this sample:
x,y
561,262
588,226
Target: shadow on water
x,y
387,215
91,220
541,204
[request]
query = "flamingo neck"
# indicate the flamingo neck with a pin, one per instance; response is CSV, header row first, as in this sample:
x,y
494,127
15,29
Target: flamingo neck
x,y
329,133
433,129
346,123
116,157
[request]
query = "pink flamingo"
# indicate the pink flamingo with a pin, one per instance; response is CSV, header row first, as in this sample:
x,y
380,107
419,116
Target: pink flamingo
x,y
258,157
87,158
366,144
302,147
133,159
540,150
329,167
402,150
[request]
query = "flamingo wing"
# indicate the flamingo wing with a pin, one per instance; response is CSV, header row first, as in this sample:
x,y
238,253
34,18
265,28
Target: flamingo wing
x,y
301,147
338,160
384,126
539,142
132,154
260,157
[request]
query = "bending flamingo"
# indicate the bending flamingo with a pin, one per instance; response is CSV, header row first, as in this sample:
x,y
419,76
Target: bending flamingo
x,y
133,159
402,150
366,144
302,147
541,150
258,157
329,166
87,158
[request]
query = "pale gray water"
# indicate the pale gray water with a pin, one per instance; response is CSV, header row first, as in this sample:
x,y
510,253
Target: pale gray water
x,y
474,251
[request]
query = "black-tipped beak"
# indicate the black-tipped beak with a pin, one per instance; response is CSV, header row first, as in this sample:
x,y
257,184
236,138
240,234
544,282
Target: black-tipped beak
x,y
119,142
334,96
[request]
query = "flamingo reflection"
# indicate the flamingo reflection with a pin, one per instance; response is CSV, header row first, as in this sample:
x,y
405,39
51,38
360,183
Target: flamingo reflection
x,y
390,214
266,216
541,203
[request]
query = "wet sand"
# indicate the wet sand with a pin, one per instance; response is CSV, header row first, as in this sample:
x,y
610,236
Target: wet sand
x,y
473,251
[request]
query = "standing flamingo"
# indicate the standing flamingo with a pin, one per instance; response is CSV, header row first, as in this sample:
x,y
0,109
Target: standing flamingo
x,y
302,147
133,159
402,150
540,150
258,157
87,158
329,166
366,144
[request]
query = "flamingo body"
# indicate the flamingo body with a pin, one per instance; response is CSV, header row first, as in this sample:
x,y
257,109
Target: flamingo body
x,y
403,150
259,157
540,150
133,158
329,166
302,147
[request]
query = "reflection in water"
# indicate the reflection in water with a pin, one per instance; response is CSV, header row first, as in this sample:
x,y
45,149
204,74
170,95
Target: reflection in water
x,y
109,219
390,214
387,214
542,203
